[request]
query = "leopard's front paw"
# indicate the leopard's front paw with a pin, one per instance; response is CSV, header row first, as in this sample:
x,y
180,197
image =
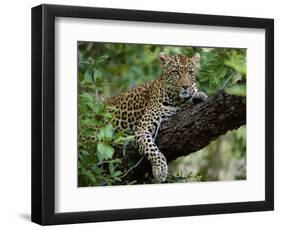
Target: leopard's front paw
x,y
199,96
160,172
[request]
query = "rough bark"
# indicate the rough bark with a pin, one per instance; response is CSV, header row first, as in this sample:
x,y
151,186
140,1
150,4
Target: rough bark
x,y
194,127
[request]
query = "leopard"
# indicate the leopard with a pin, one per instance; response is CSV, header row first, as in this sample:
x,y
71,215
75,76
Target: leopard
x,y
141,110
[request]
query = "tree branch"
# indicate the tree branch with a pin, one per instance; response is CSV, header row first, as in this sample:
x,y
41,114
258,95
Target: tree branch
x,y
195,127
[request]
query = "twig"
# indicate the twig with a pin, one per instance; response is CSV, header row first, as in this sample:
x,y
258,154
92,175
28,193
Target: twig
x,y
134,166
228,79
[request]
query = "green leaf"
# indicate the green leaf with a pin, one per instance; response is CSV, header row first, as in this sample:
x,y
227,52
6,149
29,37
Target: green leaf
x,y
98,108
95,169
105,133
102,58
109,151
100,154
88,174
90,106
117,173
239,90
132,182
111,169
106,115
101,134
87,77
85,98
97,75
108,131
84,152
87,122
105,150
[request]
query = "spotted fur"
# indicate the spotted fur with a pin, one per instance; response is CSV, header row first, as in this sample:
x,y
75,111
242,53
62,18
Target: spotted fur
x,y
142,109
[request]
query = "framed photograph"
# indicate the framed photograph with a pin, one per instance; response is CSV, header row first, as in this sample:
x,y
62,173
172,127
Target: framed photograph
x,y
142,114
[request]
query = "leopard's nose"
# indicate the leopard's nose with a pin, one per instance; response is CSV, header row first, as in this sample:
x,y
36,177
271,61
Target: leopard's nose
x,y
185,87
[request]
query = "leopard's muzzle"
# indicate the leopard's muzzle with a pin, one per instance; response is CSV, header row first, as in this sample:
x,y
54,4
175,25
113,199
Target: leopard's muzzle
x,y
186,92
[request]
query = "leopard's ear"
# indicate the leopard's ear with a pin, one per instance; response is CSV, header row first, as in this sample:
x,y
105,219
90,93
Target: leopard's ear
x,y
196,59
164,59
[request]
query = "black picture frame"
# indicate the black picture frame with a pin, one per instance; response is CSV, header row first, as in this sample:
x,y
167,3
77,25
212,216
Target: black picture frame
x,y
43,114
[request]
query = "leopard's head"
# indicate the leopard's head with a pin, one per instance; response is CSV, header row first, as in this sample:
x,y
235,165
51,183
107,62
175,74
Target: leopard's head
x,y
179,73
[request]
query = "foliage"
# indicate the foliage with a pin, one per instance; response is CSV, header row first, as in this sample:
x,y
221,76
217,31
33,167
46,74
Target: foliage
x,y
106,69
223,69
96,135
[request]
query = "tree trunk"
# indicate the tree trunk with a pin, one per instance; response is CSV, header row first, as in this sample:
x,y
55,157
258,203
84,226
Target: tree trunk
x,y
194,127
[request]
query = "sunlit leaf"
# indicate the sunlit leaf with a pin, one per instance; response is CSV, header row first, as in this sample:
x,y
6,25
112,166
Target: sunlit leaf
x,y
105,150
239,90
108,131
